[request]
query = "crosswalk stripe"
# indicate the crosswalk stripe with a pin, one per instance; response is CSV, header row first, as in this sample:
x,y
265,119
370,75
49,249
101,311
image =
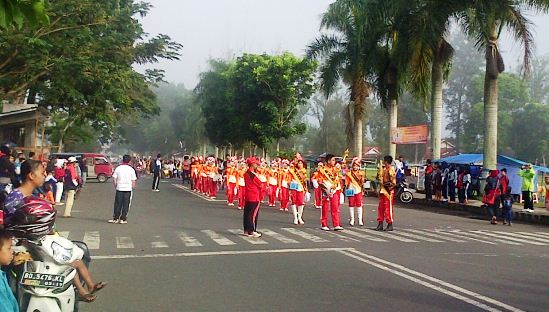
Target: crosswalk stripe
x,y
525,236
305,235
456,233
543,233
189,241
507,238
219,239
157,243
534,235
419,237
336,235
438,235
124,242
475,235
364,236
251,240
278,236
64,234
92,239
387,235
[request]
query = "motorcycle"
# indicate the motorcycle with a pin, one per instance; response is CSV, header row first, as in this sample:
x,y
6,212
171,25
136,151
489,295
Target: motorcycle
x,y
404,193
40,283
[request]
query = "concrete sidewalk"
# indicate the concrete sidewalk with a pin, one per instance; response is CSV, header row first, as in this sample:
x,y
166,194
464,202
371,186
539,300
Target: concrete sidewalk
x,y
539,216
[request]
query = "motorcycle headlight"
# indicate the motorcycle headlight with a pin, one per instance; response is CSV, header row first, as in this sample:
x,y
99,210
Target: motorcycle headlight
x,y
60,253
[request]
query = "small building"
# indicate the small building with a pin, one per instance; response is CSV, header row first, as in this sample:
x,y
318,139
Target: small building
x,y
23,126
371,152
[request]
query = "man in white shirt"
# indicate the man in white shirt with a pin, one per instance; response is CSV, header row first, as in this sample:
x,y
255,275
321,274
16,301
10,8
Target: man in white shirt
x,y
123,178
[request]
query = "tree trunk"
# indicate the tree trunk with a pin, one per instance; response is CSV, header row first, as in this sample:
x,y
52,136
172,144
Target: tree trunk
x,y
491,106
277,147
458,123
436,107
60,146
358,136
393,123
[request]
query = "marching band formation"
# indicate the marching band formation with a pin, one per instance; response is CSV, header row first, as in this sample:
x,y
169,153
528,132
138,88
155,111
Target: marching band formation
x,y
287,182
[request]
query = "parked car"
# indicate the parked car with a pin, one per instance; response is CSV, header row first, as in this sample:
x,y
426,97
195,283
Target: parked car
x,y
99,166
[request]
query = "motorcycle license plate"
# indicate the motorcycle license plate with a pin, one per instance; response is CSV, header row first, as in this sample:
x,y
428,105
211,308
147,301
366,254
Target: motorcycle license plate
x,y
42,280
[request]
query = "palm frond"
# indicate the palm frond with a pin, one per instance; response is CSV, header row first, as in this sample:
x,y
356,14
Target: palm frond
x,y
520,27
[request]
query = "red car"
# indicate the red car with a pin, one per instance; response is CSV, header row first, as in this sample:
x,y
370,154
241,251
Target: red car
x,y
99,166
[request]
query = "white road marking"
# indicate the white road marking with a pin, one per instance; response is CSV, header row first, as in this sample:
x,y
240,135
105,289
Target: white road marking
x,y
219,253
251,240
388,235
543,233
409,275
188,190
92,239
509,239
525,236
305,235
64,234
219,239
438,235
453,233
158,243
364,236
534,235
189,241
124,242
336,235
415,236
279,237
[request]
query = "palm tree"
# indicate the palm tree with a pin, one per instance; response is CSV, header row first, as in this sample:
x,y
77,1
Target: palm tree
x,y
347,55
485,20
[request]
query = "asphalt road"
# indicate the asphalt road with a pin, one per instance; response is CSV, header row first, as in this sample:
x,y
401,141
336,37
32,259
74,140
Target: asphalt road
x,y
180,252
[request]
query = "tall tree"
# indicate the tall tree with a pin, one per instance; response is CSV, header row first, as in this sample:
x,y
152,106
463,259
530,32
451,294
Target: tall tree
x,y
80,65
346,52
458,97
485,20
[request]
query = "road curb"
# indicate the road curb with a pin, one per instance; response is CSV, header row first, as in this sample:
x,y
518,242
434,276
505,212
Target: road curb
x,y
422,204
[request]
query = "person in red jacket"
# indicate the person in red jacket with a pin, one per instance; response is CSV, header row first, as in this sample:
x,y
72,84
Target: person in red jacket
x,y
252,195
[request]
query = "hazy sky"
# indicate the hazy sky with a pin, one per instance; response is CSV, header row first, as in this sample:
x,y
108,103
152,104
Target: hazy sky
x,y
222,28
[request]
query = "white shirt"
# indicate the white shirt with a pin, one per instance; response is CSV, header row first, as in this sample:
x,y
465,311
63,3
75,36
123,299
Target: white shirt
x,y
123,176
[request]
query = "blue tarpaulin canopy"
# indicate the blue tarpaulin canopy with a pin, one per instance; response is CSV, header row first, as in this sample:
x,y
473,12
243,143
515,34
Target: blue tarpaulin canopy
x,y
511,164
478,160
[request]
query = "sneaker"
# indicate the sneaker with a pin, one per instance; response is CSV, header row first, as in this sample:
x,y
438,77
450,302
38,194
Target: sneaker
x,y
325,228
525,210
389,227
338,228
379,226
286,209
123,222
113,221
247,234
256,235
281,209
59,204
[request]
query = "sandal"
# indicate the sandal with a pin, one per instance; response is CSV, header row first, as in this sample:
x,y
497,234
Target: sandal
x,y
98,286
88,298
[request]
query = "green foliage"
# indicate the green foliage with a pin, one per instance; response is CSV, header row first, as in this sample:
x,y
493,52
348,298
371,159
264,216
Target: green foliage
x,y
15,12
80,65
255,98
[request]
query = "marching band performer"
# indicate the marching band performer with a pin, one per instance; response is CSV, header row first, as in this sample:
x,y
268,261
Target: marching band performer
x,y
284,184
317,190
354,181
241,185
329,179
202,176
211,181
298,188
387,178
231,174
194,173
262,176
272,177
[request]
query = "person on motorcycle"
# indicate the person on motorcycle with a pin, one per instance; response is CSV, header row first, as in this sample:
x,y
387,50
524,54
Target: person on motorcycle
x,y
30,218
7,299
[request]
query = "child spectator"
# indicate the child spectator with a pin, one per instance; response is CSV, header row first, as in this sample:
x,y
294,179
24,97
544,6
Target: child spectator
x,y
507,205
48,193
7,299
